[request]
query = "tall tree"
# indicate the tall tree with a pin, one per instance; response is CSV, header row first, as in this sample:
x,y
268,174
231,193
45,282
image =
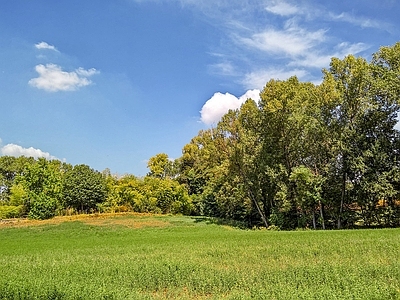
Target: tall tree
x,y
303,149
287,135
160,166
363,123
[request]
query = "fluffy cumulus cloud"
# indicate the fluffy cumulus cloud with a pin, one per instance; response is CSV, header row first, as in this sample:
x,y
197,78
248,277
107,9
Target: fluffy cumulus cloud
x,y
44,45
53,79
219,104
16,150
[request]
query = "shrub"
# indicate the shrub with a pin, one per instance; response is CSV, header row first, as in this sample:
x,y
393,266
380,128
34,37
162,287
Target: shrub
x,y
11,211
43,207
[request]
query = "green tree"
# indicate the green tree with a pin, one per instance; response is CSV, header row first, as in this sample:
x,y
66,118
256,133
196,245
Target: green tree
x,y
366,143
202,169
241,129
288,121
83,188
305,150
10,168
149,194
307,191
39,188
160,166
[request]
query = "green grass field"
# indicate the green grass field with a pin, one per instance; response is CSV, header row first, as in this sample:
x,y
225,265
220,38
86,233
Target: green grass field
x,y
168,257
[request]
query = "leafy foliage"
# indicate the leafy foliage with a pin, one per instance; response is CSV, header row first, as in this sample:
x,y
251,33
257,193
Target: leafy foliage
x,y
306,155
83,188
150,194
11,211
38,188
10,168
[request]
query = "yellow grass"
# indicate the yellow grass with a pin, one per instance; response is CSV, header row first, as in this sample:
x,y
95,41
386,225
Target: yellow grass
x,y
103,219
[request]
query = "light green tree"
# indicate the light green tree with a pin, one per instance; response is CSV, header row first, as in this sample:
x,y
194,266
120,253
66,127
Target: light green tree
x,y
39,187
161,166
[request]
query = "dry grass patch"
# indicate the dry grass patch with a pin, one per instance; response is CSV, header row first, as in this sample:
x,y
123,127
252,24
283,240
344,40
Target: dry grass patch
x,y
126,222
130,220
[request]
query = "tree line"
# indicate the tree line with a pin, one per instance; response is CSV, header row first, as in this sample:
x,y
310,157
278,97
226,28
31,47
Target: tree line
x,y
306,155
42,189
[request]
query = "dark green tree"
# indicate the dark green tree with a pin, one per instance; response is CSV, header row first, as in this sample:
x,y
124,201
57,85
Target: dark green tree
x,y
365,149
83,188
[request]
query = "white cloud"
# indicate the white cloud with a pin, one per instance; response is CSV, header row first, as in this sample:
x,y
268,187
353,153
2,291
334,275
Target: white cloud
x,y
282,9
312,60
346,49
258,79
223,68
219,104
358,21
52,78
86,73
293,41
44,45
16,150
315,60
250,94
300,42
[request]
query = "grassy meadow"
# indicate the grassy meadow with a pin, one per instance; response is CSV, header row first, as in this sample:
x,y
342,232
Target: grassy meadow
x,y
175,257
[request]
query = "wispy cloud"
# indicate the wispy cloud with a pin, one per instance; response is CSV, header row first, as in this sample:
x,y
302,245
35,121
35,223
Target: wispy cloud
x,y
357,20
53,79
274,39
219,104
282,8
292,40
44,45
314,59
224,68
258,79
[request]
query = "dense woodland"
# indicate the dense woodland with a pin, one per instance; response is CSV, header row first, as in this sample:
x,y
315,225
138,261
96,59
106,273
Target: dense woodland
x,y
306,156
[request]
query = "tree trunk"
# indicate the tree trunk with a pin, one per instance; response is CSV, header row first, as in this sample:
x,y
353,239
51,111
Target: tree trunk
x,y
313,220
252,197
339,224
262,215
321,211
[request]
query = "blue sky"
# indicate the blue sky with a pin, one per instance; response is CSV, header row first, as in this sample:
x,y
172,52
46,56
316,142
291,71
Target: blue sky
x,y
112,83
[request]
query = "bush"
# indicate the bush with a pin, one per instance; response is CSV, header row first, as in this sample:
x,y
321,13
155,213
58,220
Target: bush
x,y
43,207
11,211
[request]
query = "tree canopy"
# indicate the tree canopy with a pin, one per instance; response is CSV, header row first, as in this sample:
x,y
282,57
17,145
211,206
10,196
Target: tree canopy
x,y
329,150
